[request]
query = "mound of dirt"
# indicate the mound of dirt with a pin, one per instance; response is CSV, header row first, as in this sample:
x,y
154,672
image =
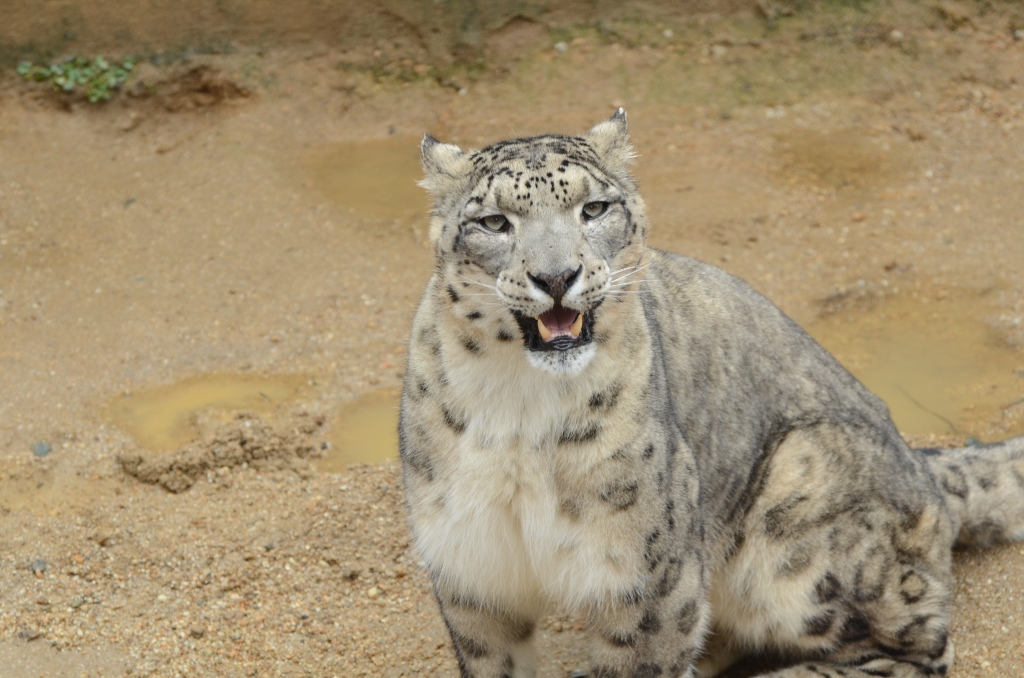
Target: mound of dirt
x,y
185,88
176,89
245,440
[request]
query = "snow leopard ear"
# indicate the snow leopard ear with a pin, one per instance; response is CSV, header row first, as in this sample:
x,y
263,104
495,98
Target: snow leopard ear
x,y
611,141
443,165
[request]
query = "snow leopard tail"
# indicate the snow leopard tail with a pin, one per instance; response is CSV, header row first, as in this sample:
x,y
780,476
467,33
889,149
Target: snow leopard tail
x,y
985,483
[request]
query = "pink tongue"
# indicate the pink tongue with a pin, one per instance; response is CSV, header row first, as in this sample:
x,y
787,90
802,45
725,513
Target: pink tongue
x,y
559,319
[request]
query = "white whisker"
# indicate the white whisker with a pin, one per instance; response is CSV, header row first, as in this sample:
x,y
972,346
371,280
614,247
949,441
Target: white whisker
x,y
622,293
632,272
477,282
629,283
492,308
629,268
495,313
637,266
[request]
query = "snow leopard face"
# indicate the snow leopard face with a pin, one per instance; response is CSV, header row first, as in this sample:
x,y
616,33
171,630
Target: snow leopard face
x,y
535,236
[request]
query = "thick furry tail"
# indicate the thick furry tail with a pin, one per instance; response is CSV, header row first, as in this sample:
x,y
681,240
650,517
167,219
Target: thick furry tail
x,y
985,484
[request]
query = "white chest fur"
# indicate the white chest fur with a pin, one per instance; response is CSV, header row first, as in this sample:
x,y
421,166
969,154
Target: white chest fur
x,y
498,533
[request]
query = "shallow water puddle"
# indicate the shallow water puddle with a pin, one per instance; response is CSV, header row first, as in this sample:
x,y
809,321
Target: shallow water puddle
x,y
365,432
375,177
837,158
167,417
938,367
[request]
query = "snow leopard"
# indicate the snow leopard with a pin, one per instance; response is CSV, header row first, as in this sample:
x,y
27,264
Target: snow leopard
x,y
594,427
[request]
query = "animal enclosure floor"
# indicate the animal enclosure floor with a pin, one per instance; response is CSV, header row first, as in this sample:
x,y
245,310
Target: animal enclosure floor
x,y
233,279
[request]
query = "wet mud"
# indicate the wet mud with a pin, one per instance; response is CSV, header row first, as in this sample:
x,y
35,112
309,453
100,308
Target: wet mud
x,y
169,417
377,178
365,432
938,365
245,441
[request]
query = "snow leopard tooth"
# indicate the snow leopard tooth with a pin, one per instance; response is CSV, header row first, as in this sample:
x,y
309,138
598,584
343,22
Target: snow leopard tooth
x,y
577,326
545,333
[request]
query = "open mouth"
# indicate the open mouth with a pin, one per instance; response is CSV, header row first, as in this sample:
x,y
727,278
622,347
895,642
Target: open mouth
x,y
558,329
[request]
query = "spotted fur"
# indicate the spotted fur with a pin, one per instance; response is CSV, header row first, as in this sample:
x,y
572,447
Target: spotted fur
x,y
697,463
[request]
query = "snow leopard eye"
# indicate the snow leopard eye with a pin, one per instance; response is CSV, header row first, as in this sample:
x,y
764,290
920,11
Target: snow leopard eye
x,y
494,222
592,210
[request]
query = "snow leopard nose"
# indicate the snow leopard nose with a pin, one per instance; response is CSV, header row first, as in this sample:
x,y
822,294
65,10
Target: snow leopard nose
x,y
556,285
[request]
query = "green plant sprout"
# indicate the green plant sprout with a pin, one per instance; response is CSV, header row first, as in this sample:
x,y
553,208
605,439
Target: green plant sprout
x,y
98,77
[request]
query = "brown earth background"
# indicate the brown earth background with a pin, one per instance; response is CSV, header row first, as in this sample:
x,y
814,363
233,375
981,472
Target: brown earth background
x,y
242,218
443,29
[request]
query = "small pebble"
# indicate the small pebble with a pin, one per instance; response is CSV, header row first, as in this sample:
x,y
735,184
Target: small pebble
x,y
373,593
197,631
77,603
561,47
1018,34
28,634
41,449
38,567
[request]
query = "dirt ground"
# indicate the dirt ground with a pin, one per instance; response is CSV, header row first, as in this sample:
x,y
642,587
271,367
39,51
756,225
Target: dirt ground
x,y
251,217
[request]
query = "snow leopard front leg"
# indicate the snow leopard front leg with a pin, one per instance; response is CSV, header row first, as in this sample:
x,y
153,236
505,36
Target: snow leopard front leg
x,y
659,629
489,642
658,633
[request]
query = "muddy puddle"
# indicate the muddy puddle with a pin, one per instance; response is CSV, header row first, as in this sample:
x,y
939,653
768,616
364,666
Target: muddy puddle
x,y
833,159
938,366
171,416
50,489
377,177
365,432
160,419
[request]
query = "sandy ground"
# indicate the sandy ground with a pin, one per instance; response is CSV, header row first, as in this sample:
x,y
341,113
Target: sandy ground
x,y
844,162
